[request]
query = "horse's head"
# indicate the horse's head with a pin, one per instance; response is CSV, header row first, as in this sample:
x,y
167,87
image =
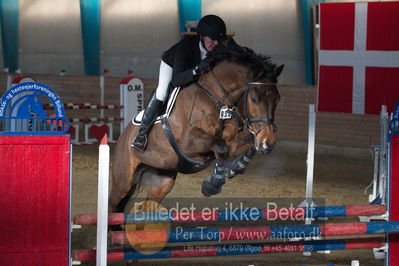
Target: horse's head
x,y
248,81
261,99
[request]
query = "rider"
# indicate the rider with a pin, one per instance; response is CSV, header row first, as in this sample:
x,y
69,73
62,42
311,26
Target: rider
x,y
180,66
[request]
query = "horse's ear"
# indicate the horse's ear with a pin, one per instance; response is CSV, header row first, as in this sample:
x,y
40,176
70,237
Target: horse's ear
x,y
277,70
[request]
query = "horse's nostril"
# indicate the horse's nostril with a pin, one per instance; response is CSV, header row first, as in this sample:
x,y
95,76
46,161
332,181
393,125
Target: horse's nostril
x,y
266,147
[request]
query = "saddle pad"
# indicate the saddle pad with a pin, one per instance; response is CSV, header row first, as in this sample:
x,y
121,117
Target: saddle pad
x,y
171,102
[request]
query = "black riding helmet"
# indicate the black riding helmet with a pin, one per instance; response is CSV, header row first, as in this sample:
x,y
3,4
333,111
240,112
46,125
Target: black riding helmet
x,y
213,27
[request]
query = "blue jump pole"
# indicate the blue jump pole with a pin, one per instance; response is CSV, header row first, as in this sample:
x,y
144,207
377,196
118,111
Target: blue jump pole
x,y
179,234
235,249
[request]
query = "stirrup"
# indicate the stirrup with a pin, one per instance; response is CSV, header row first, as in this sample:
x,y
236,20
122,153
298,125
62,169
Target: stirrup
x,y
139,142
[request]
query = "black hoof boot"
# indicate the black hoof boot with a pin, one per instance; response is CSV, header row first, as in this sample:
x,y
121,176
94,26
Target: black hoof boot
x,y
212,187
140,142
239,166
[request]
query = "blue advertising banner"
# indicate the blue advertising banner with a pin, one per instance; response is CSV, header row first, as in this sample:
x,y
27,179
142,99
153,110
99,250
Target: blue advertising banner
x,y
22,111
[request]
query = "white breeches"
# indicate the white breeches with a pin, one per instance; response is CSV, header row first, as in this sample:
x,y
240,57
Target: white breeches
x,y
165,76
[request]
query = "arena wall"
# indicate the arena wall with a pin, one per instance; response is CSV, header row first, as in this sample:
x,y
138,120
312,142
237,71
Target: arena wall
x,y
291,116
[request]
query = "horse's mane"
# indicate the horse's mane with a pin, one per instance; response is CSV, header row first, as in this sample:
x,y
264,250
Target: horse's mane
x,y
260,65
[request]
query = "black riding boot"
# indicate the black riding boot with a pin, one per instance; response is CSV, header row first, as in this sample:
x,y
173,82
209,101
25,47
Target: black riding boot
x,y
150,114
214,185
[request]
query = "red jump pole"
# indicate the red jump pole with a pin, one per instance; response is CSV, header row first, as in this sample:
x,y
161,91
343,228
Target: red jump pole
x,y
236,249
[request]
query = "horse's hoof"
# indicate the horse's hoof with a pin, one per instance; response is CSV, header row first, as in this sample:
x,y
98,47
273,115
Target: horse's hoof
x,y
209,190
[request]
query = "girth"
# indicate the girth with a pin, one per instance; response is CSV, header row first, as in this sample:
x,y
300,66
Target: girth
x,y
185,165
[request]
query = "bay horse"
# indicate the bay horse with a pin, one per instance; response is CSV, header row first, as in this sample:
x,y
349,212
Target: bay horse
x,y
240,85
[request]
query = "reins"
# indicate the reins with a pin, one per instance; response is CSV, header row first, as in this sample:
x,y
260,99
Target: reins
x,y
226,94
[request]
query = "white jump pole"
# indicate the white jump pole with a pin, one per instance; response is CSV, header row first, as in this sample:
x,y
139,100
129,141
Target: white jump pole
x,y
310,158
380,161
310,161
308,202
383,156
102,203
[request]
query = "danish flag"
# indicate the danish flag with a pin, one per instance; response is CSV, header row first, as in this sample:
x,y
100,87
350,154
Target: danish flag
x,y
358,57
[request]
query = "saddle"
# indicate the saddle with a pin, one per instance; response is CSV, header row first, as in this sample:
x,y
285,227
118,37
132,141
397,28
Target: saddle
x,y
165,112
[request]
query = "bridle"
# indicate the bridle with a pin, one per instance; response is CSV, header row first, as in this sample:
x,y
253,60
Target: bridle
x,y
231,110
248,121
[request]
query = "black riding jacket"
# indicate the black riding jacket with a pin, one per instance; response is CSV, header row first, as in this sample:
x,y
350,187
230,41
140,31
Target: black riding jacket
x,y
183,57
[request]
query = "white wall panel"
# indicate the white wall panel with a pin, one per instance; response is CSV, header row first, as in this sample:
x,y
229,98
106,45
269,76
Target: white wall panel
x,y
50,37
269,27
135,33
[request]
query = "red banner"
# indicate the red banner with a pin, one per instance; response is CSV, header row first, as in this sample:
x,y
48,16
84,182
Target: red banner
x,y
358,57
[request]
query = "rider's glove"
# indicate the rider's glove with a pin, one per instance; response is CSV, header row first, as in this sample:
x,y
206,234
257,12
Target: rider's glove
x,y
202,66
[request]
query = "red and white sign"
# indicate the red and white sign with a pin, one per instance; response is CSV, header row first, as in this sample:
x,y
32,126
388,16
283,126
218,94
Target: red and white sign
x,y
358,57
22,79
132,99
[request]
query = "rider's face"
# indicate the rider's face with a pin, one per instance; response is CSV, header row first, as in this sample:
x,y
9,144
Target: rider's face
x,y
209,44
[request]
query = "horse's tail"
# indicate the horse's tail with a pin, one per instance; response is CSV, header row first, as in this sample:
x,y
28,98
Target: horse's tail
x,y
134,190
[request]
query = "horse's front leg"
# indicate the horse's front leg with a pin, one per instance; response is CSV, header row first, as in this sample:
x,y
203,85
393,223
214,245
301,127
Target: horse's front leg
x,y
241,150
226,169
220,149
213,185
239,165
232,158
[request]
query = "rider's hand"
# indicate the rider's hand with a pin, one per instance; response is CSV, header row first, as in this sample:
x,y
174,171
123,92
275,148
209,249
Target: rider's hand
x,y
202,66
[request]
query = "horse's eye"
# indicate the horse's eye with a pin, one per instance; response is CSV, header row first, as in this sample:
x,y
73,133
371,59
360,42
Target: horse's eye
x,y
254,100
